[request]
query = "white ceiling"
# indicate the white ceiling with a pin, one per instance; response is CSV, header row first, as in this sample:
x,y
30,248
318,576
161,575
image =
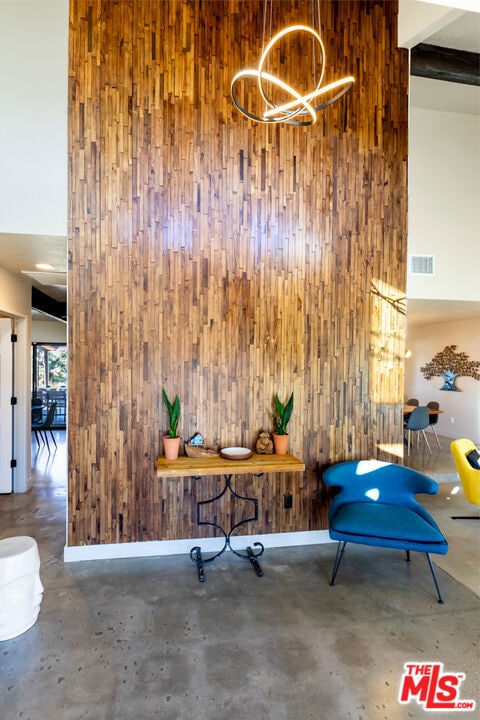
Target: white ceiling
x,y
463,33
431,312
21,253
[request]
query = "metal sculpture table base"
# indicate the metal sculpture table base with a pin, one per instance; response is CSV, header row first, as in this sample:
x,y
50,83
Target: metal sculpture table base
x,y
251,555
257,465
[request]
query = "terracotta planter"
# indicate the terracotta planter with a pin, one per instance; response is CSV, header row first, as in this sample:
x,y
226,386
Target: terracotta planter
x,y
171,446
280,444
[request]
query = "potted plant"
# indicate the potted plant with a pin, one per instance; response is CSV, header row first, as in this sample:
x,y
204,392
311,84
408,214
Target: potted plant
x,y
281,418
171,441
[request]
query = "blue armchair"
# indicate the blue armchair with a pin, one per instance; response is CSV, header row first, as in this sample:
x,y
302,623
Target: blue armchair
x,y
376,506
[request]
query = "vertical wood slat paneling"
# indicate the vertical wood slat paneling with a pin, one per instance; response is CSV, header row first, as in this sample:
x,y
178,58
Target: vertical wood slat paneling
x,y
227,260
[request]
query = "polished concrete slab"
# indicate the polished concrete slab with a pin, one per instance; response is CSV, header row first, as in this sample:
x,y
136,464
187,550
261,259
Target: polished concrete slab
x,y
439,462
143,639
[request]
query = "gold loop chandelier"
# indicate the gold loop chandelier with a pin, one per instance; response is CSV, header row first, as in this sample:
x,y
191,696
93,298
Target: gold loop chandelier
x,y
301,109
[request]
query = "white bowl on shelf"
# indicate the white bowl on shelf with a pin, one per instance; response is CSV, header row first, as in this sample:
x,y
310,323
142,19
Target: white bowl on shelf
x,y
235,453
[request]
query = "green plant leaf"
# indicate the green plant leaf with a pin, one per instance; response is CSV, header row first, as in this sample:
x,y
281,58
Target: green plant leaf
x,y
173,413
278,406
166,400
282,414
287,413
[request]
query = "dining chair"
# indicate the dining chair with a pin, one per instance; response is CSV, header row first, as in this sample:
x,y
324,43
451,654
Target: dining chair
x,y
37,409
45,426
413,401
59,397
417,421
433,419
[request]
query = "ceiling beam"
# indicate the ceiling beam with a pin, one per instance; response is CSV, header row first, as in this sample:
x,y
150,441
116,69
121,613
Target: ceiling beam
x,y
439,63
48,305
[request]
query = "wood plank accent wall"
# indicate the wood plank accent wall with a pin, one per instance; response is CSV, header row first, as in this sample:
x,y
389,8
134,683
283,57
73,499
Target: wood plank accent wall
x,y
226,260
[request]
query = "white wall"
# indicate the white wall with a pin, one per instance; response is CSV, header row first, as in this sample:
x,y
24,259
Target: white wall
x,y
49,331
33,128
15,301
464,407
444,221
444,205
33,176
15,294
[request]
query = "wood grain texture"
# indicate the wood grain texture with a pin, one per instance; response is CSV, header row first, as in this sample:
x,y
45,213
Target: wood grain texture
x,y
227,260
254,465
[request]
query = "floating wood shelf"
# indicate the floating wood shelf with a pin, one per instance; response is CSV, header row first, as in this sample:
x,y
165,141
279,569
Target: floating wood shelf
x,y
256,465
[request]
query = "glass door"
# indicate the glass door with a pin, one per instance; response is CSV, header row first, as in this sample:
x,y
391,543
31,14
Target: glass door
x,y
49,380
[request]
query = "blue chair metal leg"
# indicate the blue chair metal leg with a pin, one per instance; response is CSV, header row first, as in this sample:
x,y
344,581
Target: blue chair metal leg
x,y
338,560
37,431
440,600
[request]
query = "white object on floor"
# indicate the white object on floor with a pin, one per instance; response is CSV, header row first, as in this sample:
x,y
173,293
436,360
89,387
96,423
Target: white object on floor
x,y
21,589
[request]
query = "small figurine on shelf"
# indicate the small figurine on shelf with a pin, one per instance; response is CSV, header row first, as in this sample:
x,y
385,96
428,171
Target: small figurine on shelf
x,y
264,444
195,447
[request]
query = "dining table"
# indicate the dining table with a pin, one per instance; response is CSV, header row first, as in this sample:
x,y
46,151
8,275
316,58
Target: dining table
x,y
407,409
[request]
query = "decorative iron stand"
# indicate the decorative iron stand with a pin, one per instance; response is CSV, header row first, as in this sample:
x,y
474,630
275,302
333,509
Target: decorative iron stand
x,y
250,554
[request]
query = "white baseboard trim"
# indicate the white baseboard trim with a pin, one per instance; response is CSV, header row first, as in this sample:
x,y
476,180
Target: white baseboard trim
x,y
181,547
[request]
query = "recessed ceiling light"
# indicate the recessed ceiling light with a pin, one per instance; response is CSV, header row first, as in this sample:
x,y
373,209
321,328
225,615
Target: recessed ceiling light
x,y
44,266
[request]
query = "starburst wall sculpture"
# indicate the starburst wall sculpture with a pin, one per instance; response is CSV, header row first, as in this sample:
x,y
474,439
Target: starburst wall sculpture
x,y
451,365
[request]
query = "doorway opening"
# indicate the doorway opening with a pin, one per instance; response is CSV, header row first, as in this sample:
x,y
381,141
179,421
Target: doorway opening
x,y
50,381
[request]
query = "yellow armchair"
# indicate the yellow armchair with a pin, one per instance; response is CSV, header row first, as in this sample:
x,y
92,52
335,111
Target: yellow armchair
x,y
469,476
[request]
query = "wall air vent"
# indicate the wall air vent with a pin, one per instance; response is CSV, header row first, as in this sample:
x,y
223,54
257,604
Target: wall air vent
x,y
422,264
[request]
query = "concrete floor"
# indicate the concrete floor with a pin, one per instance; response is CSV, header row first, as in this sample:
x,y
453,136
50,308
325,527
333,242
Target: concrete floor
x,y
140,639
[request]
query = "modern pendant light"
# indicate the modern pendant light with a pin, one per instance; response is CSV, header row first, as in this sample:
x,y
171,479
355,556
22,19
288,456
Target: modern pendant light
x,y
301,109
